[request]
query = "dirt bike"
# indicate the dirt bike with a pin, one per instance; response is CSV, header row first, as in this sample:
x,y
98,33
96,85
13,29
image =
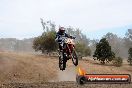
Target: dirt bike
x,y
67,52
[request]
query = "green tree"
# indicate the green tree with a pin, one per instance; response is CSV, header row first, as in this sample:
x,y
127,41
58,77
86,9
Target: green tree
x,y
45,42
37,43
130,56
103,51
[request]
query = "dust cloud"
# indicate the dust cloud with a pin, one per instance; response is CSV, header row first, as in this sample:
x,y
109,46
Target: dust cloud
x,y
68,75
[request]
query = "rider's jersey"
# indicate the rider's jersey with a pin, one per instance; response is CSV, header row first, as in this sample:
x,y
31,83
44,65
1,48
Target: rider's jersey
x,y
59,36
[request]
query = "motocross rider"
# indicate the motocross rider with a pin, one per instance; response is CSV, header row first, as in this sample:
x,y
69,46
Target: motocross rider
x,y
61,33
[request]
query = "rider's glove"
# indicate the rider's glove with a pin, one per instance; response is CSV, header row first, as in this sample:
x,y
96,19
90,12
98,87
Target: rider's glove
x,y
72,37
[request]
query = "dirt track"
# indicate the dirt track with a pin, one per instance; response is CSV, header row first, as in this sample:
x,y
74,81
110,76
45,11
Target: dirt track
x,y
37,71
63,85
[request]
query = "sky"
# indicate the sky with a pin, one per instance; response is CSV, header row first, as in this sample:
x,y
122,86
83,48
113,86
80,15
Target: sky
x,y
21,18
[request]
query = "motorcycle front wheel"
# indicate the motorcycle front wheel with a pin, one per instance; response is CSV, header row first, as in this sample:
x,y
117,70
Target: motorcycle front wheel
x,y
62,61
74,58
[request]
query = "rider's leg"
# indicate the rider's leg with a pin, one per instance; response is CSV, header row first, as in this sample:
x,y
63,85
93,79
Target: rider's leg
x,y
60,47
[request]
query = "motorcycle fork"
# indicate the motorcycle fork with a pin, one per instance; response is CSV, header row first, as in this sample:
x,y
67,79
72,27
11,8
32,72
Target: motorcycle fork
x,y
69,49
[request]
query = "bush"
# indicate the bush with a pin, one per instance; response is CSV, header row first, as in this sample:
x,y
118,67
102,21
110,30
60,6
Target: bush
x,y
130,56
45,42
117,61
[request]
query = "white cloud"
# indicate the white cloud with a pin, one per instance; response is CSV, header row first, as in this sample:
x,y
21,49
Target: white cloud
x,y
23,16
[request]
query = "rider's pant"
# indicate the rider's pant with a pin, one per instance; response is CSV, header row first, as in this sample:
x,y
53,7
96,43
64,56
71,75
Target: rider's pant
x,y
60,47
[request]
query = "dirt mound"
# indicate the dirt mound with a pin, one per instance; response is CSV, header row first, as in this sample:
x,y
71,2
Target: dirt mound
x,y
19,70
25,68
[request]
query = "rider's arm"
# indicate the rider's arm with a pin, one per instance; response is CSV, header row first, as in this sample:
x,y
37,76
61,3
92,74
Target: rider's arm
x,y
57,38
67,35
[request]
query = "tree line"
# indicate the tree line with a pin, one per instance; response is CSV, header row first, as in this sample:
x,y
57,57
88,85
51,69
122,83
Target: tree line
x,y
109,48
16,45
